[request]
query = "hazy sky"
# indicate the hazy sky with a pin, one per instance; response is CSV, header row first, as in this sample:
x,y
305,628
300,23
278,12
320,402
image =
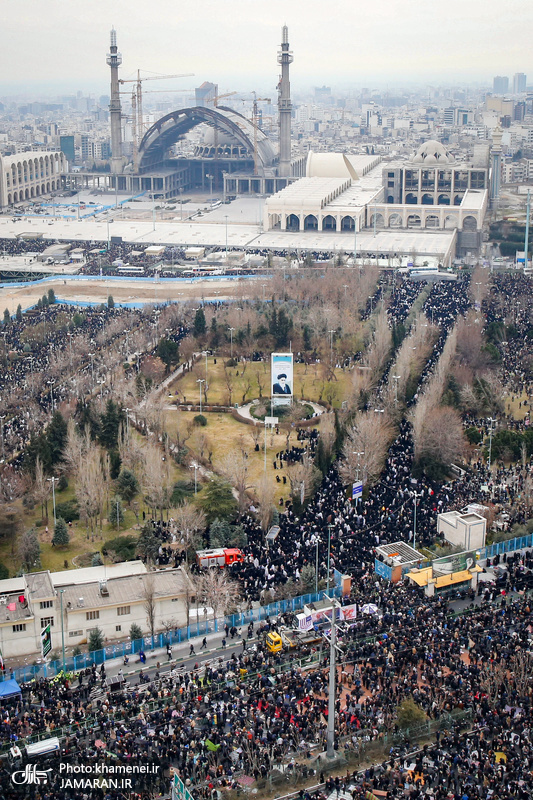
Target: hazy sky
x,y
61,45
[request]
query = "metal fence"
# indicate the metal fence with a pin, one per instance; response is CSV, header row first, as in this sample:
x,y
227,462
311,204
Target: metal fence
x,y
498,548
160,640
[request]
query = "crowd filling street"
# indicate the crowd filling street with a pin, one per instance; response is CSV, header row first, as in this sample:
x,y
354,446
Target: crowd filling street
x,y
245,713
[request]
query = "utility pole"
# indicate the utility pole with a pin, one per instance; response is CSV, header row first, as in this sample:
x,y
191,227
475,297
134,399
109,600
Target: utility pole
x,y
200,381
61,593
330,752
415,498
53,482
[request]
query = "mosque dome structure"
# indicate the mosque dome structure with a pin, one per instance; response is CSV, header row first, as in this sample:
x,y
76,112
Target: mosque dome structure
x,y
432,152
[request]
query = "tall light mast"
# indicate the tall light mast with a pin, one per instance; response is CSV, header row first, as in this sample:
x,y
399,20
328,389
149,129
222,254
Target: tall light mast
x,y
114,60
285,58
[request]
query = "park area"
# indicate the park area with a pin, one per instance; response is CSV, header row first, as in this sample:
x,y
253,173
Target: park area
x,y
244,381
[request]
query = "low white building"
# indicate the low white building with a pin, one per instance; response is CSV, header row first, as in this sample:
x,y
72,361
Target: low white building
x,y
25,176
109,598
466,530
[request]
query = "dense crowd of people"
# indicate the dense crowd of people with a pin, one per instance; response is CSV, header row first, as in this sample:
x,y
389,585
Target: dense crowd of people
x,y
250,710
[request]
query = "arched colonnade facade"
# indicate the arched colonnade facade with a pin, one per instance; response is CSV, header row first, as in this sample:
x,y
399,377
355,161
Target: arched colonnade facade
x,y
434,217
26,176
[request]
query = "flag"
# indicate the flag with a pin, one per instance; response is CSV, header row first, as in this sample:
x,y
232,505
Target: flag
x,y
211,745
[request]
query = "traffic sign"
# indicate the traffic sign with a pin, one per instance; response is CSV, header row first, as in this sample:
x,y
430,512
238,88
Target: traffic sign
x,y
357,490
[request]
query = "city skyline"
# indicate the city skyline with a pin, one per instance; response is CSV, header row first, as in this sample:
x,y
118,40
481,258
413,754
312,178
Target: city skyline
x,y
235,44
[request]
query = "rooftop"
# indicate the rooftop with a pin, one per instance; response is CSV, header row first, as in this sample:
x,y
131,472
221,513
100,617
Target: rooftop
x,y
400,552
39,585
126,589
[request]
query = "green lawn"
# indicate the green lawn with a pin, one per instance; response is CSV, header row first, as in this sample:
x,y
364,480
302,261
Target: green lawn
x,y
249,381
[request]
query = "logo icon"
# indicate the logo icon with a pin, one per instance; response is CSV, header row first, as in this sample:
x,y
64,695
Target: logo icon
x,y
30,774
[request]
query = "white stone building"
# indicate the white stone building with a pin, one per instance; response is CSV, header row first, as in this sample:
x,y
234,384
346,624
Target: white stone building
x,y
28,175
109,598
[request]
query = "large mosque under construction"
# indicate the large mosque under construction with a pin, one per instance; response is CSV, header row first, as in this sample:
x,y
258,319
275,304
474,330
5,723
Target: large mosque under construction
x,y
237,158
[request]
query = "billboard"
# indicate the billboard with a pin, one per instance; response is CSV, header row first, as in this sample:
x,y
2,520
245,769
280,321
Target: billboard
x,y
281,384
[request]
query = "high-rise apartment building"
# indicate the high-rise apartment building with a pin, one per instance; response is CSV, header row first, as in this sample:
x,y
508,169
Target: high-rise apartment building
x,y
500,84
519,83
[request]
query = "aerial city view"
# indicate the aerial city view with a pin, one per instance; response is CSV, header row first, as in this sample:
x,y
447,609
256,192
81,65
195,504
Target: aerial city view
x,y
266,384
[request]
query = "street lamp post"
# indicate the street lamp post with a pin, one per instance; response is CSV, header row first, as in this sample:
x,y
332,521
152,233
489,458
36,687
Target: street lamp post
x,y
330,751
415,498
331,347
329,556
205,353
396,378
61,593
52,394
194,466
200,381
53,482
226,218
358,453
127,332
91,356
490,420
2,418
316,567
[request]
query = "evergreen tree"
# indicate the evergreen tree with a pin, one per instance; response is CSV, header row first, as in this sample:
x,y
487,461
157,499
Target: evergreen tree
x,y
110,302
219,533
44,300
116,512
127,485
7,316
135,632
51,296
216,500
200,325
61,536
307,343
19,313
56,435
97,560
168,352
96,640
110,424
148,544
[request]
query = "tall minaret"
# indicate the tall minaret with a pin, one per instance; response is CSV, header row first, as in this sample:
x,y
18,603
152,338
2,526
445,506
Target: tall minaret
x,y
285,58
496,166
114,59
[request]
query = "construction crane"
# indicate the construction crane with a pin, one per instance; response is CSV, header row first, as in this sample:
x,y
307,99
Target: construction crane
x,y
138,81
215,100
218,97
135,130
255,123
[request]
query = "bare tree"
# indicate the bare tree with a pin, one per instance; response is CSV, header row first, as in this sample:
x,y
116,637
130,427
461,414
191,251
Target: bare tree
x,y
156,479
41,488
441,437
190,523
74,450
365,450
380,346
234,467
327,432
149,605
265,494
91,488
303,477
218,591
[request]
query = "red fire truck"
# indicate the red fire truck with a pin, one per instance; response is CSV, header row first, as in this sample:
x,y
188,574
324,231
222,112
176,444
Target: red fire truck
x,y
219,557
